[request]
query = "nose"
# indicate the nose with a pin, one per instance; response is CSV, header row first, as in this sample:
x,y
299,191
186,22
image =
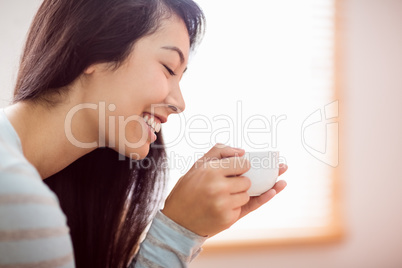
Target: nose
x,y
175,101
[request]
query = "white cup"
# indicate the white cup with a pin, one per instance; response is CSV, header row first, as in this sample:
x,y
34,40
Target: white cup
x,y
264,171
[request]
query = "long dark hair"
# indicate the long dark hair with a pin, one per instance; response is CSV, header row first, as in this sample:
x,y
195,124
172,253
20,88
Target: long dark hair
x,y
108,202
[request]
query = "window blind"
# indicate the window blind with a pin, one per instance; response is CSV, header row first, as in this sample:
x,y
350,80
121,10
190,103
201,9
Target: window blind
x,y
264,79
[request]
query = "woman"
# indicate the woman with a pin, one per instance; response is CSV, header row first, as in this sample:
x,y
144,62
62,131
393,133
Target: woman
x,y
96,81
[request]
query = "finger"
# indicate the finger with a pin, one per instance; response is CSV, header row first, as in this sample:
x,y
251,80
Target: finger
x,y
239,184
220,151
279,186
282,168
258,201
233,166
238,200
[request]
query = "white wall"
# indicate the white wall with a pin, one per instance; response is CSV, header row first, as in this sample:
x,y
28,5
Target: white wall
x,y
15,18
371,152
371,114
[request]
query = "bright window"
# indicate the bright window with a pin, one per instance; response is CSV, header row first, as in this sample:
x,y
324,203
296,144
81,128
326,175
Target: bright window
x,y
264,78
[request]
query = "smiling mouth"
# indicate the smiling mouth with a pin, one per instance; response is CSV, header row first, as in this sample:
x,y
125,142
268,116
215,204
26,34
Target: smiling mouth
x,y
153,123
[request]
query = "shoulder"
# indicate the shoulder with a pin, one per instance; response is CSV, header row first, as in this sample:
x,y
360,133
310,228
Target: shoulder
x,y
33,228
17,175
20,182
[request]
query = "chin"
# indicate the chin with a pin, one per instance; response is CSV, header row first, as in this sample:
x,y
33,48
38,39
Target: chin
x,y
135,145
137,153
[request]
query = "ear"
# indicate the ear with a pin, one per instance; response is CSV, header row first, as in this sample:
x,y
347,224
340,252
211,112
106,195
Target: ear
x,y
90,70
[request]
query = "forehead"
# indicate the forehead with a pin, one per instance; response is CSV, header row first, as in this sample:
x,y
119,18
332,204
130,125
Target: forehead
x,y
171,32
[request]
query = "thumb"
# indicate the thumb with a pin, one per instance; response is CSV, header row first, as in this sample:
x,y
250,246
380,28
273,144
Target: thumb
x,y
220,151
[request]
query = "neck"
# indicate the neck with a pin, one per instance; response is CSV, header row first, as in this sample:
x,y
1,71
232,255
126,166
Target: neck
x,y
45,139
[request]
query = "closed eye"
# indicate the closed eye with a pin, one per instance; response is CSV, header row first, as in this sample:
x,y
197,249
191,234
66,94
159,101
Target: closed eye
x,y
169,70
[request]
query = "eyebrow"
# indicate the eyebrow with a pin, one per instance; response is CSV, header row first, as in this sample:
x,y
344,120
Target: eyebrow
x,y
173,48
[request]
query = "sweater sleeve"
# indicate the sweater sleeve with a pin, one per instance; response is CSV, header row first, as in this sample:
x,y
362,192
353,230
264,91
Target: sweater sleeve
x,y
167,244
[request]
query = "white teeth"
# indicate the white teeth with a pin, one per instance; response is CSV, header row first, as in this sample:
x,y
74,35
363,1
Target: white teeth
x,y
150,120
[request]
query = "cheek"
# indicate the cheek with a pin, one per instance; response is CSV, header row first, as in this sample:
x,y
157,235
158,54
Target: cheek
x,y
153,90
133,100
127,135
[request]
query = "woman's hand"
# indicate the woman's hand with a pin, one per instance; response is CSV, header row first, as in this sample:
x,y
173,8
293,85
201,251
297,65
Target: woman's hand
x,y
257,201
213,195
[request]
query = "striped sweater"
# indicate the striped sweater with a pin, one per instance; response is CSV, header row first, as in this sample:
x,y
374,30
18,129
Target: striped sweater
x,y
33,229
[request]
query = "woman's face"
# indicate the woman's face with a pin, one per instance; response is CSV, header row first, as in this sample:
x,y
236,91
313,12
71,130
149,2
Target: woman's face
x,y
144,87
